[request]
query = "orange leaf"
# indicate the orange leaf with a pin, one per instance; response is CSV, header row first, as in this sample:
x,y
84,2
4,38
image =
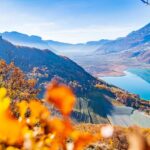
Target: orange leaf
x,y
61,96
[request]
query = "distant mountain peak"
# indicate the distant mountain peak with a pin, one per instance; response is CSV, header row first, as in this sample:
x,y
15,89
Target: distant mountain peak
x,y
25,40
142,31
21,35
148,25
70,50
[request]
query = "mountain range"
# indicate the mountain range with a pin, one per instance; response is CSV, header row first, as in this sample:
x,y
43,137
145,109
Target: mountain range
x,y
134,45
97,101
62,48
100,58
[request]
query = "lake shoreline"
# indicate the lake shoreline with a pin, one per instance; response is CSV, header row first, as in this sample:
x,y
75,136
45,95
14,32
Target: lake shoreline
x,y
118,70
130,82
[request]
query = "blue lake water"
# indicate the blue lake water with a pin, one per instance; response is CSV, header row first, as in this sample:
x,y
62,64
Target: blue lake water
x,y
131,83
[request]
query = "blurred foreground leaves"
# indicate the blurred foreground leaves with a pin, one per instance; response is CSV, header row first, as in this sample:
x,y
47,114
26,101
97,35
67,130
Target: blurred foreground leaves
x,y
28,125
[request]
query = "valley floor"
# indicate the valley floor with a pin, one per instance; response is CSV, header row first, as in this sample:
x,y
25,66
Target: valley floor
x,y
100,65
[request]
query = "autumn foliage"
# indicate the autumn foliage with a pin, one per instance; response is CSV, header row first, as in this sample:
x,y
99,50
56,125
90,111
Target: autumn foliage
x,y
16,83
34,128
64,101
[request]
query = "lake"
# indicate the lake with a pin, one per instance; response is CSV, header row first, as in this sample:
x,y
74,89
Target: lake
x,y
131,83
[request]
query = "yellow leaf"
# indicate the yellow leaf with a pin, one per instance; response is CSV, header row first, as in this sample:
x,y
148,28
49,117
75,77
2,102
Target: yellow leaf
x,y
3,92
23,105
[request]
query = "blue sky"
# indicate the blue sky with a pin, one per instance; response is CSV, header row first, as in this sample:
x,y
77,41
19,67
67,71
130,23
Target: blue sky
x,y
73,21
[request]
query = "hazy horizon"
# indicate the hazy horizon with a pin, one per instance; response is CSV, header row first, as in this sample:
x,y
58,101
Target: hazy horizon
x,y
76,21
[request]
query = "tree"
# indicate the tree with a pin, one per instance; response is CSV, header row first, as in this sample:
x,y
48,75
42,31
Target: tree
x,y
19,87
146,2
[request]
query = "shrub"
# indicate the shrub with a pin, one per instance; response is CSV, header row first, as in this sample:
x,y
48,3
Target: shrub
x,y
16,83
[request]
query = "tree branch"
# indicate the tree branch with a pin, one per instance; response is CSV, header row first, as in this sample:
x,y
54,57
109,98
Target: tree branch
x,y
147,2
